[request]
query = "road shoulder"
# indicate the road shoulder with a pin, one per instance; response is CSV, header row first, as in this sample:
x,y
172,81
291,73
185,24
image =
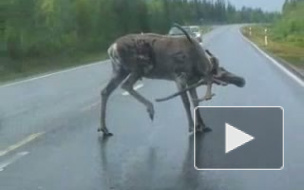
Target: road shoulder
x,y
286,67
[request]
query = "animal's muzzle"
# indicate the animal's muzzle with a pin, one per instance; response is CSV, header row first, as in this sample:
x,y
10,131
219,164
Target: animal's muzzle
x,y
230,78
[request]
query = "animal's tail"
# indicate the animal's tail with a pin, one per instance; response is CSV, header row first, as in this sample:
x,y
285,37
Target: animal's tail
x,y
114,57
209,53
184,31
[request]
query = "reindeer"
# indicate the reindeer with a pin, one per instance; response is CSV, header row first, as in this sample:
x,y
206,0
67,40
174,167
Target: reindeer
x,y
154,56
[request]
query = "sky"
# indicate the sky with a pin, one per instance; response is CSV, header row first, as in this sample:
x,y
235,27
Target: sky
x,y
266,5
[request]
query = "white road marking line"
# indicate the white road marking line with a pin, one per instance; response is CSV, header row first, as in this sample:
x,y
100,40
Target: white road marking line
x,y
17,112
135,88
16,157
21,143
138,86
90,106
280,66
51,74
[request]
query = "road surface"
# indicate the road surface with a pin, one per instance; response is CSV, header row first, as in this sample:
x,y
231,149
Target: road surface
x,y
48,138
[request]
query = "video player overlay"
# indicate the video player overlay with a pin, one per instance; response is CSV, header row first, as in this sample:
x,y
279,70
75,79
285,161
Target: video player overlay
x,y
242,138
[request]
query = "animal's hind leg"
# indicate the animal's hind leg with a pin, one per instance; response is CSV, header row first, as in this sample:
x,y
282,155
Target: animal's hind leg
x,y
128,86
105,93
200,124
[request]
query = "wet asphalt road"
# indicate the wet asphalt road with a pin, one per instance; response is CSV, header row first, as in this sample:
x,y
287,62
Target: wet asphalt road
x,y
48,138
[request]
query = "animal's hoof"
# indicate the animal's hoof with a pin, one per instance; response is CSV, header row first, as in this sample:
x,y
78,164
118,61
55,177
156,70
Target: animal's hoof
x,y
208,97
151,112
105,132
151,116
108,134
199,128
190,130
207,129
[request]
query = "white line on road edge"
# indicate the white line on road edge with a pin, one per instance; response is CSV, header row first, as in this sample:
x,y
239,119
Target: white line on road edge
x,y
11,160
280,66
135,88
90,106
51,74
21,143
138,86
17,112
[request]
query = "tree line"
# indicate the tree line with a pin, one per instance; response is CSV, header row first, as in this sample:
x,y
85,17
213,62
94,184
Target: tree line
x,y
41,28
291,25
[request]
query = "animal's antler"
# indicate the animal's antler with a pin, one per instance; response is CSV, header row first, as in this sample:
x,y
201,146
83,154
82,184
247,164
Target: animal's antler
x,y
182,91
201,82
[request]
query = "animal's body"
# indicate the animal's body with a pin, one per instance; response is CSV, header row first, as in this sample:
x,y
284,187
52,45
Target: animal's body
x,y
162,57
154,56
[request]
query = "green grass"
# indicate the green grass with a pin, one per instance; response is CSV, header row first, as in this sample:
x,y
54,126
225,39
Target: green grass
x,y
287,50
18,69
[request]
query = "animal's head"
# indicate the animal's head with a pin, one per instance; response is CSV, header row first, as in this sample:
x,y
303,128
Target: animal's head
x,y
221,75
225,77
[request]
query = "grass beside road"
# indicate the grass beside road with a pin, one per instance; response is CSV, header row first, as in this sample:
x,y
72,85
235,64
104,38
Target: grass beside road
x,y
289,51
18,69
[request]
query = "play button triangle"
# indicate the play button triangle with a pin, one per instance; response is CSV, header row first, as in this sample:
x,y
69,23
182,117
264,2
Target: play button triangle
x,y
235,138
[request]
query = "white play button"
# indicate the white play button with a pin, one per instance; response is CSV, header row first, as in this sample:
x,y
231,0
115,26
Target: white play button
x,y
235,138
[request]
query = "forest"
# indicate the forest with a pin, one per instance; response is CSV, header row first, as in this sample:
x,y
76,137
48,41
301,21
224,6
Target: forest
x,y
46,29
290,28
286,35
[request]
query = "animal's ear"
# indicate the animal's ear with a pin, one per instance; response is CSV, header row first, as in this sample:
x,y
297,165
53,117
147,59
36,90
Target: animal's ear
x,y
215,65
214,62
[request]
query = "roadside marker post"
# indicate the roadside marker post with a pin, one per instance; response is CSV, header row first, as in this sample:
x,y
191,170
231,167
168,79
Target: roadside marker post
x,y
266,37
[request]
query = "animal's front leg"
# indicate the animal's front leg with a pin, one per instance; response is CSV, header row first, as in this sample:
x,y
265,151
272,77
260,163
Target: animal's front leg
x,y
209,93
128,86
181,85
200,124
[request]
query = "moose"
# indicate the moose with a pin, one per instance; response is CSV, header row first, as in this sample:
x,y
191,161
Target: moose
x,y
154,56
